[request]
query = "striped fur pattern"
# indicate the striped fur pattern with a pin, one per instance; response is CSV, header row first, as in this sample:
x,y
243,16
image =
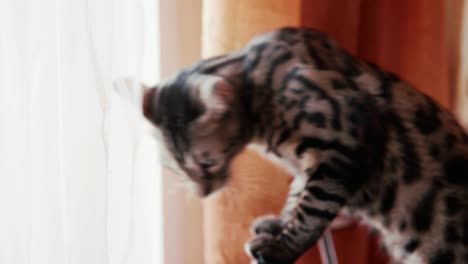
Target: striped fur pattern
x,y
354,136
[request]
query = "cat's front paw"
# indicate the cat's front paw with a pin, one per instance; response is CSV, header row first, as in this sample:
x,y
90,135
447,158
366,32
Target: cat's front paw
x,y
269,224
268,249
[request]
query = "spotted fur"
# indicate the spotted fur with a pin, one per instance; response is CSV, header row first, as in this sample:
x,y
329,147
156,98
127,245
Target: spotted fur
x,y
353,135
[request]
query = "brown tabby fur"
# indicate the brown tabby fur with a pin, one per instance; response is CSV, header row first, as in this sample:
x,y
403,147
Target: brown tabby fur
x,y
356,137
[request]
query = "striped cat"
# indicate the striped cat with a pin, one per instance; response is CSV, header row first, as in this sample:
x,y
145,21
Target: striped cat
x,y
355,136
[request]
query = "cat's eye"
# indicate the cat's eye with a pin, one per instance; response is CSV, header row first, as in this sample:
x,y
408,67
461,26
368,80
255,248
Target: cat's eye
x,y
203,130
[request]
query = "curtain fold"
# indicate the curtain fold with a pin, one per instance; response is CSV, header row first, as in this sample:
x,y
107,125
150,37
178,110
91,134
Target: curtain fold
x,y
460,55
80,181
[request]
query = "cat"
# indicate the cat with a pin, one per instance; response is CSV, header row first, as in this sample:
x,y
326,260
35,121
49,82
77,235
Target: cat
x,y
355,137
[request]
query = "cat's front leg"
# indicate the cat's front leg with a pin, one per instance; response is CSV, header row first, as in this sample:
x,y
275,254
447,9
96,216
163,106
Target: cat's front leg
x,y
318,203
272,224
267,224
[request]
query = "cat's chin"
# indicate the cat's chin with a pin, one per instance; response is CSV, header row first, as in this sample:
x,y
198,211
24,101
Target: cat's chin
x,y
209,188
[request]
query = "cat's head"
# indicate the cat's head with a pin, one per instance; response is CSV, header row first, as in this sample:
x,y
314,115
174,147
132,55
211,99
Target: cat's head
x,y
202,129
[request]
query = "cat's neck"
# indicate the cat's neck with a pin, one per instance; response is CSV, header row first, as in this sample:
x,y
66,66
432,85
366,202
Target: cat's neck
x,y
260,92
256,89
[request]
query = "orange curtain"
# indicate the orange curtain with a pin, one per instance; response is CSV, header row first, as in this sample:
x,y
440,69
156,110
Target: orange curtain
x,y
406,37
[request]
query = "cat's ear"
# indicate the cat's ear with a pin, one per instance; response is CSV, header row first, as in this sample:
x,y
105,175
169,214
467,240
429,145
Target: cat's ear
x,y
138,95
220,97
149,99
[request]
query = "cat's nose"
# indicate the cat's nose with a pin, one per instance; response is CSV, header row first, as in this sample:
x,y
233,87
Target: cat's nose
x,y
207,164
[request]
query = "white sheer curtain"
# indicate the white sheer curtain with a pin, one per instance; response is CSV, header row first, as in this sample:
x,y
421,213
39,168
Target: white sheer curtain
x,y
79,180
